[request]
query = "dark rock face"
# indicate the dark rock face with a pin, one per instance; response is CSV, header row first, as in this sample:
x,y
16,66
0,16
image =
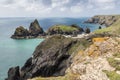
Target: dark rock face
x,y
106,20
51,58
34,31
20,32
35,28
14,74
100,27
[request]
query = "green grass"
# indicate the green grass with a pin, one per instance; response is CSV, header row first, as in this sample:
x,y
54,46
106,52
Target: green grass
x,y
55,41
108,29
82,44
114,63
64,28
117,55
112,75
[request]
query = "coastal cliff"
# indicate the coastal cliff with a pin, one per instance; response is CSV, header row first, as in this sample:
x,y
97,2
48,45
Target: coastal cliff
x,y
106,20
61,58
112,23
99,61
51,58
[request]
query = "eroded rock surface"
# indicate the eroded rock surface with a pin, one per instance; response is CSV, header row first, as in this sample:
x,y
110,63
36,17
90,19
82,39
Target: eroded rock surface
x,y
50,58
14,74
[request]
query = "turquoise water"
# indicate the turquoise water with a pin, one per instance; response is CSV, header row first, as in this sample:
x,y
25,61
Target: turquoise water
x,y
16,52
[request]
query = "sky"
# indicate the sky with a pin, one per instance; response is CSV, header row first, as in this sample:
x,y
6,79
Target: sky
x,y
58,8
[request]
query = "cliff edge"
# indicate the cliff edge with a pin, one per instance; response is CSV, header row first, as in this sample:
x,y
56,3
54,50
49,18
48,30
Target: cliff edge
x,y
106,20
51,58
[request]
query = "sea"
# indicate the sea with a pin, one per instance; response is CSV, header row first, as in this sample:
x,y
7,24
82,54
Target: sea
x,y
15,52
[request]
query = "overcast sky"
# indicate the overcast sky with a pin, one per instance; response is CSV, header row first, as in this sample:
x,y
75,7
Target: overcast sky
x,y
57,8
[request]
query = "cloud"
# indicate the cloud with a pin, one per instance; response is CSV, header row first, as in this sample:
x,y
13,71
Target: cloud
x,y
58,7
103,4
76,9
63,9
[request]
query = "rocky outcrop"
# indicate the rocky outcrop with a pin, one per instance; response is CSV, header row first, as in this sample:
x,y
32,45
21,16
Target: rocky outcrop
x,y
106,20
51,58
14,74
20,32
34,31
64,29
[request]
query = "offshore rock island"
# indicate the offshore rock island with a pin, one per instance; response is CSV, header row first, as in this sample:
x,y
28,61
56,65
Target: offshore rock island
x,y
36,31
92,57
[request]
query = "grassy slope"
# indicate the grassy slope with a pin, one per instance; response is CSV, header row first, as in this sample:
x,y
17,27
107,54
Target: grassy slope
x,y
112,75
64,28
113,29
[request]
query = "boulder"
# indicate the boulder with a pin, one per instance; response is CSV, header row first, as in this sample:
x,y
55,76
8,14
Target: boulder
x,y
87,30
35,28
14,74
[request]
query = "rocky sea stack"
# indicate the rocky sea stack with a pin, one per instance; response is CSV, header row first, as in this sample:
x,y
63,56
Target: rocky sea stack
x,y
34,31
20,32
